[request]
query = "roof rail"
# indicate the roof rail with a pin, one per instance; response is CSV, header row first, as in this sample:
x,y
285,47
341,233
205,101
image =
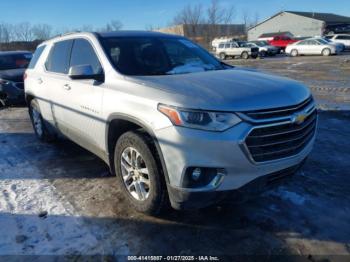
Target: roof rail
x,y
69,33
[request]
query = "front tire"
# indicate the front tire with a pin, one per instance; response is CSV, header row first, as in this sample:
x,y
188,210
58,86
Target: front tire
x,y
326,52
38,123
138,169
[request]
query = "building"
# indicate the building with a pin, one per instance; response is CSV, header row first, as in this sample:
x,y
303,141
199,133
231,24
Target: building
x,y
205,33
300,24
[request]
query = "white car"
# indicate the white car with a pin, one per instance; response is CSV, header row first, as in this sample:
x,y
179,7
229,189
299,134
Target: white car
x,y
236,49
221,40
341,38
312,46
171,121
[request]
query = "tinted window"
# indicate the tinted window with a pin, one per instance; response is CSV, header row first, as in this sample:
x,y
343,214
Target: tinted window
x,y
14,61
221,46
84,54
343,37
58,60
158,55
36,56
227,45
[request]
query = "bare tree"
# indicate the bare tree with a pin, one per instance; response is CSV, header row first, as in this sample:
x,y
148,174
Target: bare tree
x,y
218,14
5,33
42,31
23,32
189,15
113,25
256,19
246,19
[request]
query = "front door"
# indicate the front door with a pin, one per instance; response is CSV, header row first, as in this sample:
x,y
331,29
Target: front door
x,y
84,119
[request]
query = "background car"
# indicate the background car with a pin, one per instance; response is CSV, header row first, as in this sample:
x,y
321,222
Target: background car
x,y
236,49
341,38
282,41
340,46
12,67
312,46
264,48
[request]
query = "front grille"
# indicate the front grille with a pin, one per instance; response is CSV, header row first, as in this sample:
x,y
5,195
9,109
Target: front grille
x,y
272,142
280,112
20,85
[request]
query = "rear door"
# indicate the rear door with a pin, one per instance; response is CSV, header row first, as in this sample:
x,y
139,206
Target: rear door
x,y
55,79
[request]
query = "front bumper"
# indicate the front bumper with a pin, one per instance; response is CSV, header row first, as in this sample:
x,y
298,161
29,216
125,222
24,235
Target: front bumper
x,y
183,148
182,199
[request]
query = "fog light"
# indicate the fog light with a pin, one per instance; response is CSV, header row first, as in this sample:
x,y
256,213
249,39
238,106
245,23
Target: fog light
x,y
196,174
197,177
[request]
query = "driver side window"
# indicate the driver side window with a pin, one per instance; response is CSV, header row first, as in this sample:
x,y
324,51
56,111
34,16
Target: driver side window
x,y
84,54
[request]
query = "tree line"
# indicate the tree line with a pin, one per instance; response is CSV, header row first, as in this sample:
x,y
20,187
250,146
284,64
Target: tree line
x,y
27,32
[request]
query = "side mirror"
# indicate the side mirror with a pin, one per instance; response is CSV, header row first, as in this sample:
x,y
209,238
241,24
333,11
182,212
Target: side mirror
x,y
84,72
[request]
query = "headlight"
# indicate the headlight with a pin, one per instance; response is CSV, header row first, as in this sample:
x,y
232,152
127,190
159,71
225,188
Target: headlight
x,y
205,120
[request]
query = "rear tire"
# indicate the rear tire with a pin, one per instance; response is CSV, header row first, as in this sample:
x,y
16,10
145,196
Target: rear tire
x,y
294,53
222,56
139,172
39,124
245,55
326,52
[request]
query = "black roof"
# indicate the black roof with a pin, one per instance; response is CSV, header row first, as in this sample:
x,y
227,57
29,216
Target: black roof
x,y
326,17
132,33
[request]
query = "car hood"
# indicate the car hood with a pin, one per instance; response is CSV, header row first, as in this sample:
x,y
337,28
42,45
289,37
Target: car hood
x,y
15,75
226,90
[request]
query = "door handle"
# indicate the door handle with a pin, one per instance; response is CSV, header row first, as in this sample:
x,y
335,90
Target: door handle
x,y
67,87
40,81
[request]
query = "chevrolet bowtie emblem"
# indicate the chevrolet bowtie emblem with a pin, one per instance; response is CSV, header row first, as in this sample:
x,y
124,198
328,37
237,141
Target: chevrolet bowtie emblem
x,y
299,118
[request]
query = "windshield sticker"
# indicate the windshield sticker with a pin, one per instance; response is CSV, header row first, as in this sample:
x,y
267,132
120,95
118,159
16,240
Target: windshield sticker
x,y
188,43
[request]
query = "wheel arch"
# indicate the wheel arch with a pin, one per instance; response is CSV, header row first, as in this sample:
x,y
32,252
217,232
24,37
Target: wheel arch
x,y
118,124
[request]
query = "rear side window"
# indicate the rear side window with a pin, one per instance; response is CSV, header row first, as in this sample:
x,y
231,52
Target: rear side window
x,y
58,60
221,46
343,37
84,54
36,56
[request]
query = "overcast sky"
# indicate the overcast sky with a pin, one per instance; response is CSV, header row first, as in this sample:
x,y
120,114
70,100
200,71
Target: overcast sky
x,y
137,14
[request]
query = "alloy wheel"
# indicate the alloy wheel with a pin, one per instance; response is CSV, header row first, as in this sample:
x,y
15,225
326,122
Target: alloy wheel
x,y
135,174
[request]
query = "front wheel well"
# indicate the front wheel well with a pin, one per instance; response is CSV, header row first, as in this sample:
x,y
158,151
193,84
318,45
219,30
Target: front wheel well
x,y
116,128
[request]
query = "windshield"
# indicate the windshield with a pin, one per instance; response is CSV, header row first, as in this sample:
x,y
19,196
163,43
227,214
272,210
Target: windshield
x,y
14,61
322,41
158,56
261,43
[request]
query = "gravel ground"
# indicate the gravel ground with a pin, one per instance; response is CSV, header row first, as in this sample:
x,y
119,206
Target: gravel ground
x,y
58,199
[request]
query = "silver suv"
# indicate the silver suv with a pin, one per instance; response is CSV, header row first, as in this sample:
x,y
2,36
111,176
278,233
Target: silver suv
x,y
170,120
